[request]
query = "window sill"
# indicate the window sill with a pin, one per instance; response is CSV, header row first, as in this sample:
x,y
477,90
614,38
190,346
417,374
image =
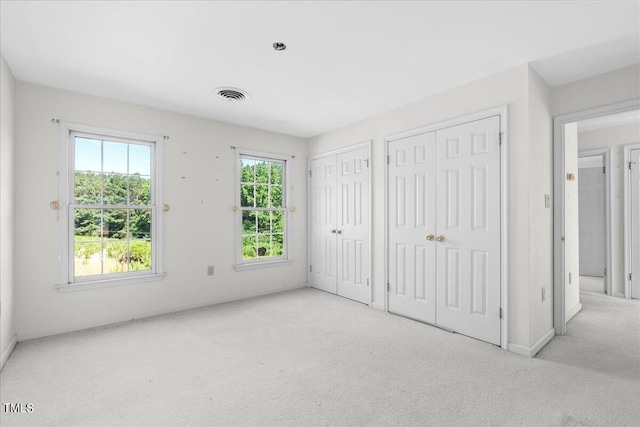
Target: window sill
x,y
266,264
81,286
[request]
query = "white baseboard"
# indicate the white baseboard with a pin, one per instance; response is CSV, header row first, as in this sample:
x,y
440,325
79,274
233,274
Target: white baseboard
x,y
377,306
573,312
7,352
534,349
28,335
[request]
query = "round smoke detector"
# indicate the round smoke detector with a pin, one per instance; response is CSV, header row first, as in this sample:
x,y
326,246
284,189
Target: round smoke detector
x,y
231,93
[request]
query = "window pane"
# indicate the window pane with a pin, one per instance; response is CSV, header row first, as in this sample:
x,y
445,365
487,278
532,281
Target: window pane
x,y
262,172
139,190
264,221
276,173
115,189
249,247
246,171
87,257
115,157
277,222
139,159
246,195
87,188
278,245
262,196
276,196
88,156
140,223
248,222
139,255
114,225
115,256
88,223
264,245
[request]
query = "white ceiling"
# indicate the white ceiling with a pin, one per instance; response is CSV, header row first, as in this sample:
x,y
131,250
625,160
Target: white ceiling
x,y
345,60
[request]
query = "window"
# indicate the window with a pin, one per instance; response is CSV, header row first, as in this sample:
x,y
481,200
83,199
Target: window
x,y
262,214
109,217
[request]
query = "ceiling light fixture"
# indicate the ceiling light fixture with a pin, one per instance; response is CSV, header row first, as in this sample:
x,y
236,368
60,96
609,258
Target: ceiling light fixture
x,y
279,46
231,94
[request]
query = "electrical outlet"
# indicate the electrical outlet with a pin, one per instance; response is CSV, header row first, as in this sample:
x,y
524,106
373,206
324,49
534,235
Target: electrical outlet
x,y
210,270
544,293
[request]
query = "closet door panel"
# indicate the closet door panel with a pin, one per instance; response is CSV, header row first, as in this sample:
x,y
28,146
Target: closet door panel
x,y
411,219
353,257
323,221
468,229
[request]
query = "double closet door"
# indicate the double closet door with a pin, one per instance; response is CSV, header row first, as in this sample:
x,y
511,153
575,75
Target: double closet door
x,y
340,260
444,228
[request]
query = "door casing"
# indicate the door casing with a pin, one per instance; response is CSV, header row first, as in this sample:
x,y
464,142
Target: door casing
x,y
559,173
628,253
501,111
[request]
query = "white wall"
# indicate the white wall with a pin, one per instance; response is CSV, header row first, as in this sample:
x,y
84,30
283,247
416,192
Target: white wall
x,y
540,216
511,87
615,138
199,228
605,89
7,147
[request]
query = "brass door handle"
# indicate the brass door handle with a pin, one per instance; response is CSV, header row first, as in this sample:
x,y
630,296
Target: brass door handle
x,y
440,238
430,237
333,231
338,231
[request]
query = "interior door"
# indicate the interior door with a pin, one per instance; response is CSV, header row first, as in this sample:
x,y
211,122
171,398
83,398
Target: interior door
x,y
635,223
412,220
591,210
352,227
323,222
468,229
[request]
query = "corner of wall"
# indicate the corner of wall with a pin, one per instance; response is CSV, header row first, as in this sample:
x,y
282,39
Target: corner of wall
x,y
540,211
8,337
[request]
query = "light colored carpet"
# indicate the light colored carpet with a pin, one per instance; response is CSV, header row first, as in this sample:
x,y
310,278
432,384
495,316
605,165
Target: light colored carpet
x,y
309,358
592,284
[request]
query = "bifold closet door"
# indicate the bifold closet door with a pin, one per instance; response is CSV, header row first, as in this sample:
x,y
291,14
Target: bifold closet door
x,y
468,224
323,220
411,227
340,259
444,228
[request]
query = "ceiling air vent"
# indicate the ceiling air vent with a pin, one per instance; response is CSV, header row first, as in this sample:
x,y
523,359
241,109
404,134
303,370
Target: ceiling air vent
x,y
231,93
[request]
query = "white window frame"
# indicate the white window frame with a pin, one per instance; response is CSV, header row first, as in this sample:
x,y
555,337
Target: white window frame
x,y
242,264
67,281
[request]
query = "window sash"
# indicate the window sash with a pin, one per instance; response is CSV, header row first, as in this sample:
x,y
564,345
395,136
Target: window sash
x,y
284,208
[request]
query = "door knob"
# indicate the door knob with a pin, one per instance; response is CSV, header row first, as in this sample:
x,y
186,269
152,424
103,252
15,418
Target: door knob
x,y
440,238
333,231
339,231
430,237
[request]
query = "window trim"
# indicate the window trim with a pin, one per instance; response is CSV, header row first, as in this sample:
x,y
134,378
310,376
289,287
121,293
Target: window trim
x,y
242,264
66,280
